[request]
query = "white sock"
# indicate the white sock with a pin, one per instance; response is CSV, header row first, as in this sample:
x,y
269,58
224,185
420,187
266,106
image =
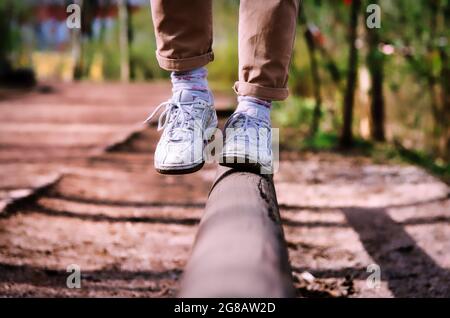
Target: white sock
x,y
254,107
193,81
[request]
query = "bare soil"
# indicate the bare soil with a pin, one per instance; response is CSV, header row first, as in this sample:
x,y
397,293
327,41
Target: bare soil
x,y
77,186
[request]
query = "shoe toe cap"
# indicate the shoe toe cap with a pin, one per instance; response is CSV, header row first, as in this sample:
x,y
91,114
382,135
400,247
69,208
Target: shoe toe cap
x,y
178,154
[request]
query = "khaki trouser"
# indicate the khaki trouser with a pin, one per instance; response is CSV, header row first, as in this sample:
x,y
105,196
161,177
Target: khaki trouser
x,y
183,31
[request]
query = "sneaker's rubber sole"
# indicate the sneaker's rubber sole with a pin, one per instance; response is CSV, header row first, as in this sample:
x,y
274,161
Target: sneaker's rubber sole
x,y
241,163
178,171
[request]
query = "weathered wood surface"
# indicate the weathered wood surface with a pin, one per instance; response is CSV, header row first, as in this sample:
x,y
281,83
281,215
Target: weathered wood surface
x,y
240,249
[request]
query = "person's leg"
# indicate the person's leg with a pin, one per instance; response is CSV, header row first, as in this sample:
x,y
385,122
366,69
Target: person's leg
x,y
183,31
266,38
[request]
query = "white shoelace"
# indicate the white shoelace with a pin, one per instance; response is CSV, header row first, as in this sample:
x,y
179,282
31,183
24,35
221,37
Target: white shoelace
x,y
177,117
243,122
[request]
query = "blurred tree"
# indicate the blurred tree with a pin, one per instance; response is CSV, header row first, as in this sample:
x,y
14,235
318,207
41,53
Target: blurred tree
x,y
12,16
124,41
426,48
130,29
346,139
5,31
82,62
77,48
375,62
9,12
310,33
443,45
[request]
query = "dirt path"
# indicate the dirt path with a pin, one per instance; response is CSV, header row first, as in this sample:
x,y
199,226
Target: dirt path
x,y
77,187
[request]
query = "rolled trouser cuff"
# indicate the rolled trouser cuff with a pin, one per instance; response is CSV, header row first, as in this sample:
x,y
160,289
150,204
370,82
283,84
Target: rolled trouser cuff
x,y
258,91
184,64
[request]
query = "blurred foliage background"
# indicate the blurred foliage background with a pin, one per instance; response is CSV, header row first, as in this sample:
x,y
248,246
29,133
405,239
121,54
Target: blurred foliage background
x,y
383,90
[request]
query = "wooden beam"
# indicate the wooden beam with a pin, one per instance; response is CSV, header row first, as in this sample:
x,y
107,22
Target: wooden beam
x,y
240,249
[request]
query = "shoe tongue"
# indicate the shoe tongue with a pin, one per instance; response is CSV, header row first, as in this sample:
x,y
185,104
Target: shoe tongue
x,y
182,96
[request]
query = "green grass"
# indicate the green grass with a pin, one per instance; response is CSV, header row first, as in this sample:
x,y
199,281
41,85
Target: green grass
x,y
324,141
379,152
435,166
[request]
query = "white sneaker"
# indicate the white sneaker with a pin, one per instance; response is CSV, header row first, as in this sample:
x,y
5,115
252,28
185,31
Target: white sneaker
x,y
248,143
188,124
